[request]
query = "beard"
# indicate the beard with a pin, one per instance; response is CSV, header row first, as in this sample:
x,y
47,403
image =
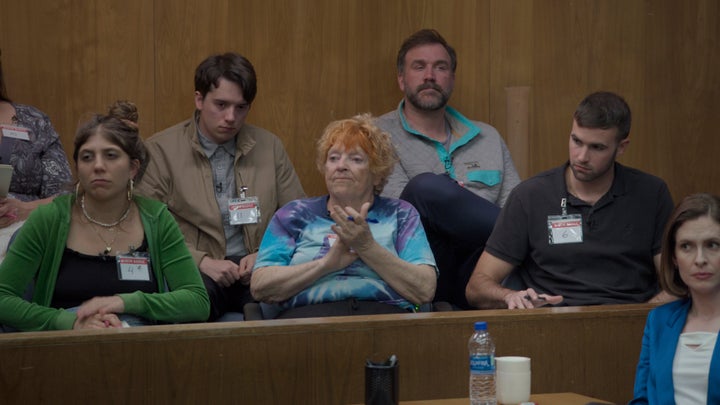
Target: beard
x,y
593,173
433,103
586,176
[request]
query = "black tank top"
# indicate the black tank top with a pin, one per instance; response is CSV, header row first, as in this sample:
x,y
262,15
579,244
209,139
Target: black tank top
x,y
82,277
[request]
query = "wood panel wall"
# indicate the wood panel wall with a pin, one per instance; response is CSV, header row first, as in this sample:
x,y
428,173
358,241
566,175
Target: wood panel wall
x,y
320,60
587,350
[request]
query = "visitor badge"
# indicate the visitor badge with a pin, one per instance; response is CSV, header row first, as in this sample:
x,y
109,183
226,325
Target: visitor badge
x,y
135,267
244,210
565,229
15,132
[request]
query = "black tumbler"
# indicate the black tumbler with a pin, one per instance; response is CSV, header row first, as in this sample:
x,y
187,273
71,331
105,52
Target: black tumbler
x,y
381,382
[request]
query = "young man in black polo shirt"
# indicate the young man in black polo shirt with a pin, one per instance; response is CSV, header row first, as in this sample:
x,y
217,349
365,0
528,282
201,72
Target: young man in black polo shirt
x,y
585,233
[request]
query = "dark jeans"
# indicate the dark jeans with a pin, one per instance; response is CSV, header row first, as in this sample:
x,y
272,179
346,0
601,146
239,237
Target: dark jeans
x,y
226,299
346,307
458,224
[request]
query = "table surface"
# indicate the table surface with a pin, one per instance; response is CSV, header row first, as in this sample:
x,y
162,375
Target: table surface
x,y
563,398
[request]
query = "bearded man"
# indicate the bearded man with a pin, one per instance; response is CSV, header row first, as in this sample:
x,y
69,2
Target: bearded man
x,y
456,172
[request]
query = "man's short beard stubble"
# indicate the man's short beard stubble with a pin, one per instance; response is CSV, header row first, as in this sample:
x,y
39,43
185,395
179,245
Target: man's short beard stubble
x,y
430,104
594,175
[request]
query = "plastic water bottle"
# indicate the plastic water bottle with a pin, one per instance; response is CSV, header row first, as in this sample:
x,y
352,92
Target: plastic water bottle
x,y
482,366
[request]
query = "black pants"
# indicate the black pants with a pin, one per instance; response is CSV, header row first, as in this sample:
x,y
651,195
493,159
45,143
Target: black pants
x,y
346,307
226,299
457,223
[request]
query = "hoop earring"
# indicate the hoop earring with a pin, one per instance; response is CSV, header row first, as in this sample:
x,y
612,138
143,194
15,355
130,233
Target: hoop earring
x,y
77,191
131,187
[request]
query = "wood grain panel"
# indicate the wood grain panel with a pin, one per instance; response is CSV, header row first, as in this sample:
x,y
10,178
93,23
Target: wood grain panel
x,y
73,59
511,68
588,350
683,94
184,33
308,73
320,60
48,61
125,58
578,50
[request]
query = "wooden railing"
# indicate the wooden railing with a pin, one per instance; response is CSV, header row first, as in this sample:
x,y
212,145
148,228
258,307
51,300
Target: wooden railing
x,y
588,350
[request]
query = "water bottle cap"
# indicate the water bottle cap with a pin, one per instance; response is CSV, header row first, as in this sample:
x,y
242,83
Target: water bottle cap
x,y
481,325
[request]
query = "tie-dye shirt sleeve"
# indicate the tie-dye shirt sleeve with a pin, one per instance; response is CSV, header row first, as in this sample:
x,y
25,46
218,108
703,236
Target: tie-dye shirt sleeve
x,y
300,232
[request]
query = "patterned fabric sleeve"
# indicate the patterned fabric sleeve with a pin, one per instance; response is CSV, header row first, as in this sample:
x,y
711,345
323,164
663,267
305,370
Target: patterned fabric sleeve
x,y
41,167
278,244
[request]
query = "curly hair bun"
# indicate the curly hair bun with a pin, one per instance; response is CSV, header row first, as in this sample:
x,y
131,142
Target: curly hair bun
x,y
125,111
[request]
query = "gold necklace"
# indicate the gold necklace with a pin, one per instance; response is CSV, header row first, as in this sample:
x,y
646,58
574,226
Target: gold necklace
x,y
111,227
108,245
103,224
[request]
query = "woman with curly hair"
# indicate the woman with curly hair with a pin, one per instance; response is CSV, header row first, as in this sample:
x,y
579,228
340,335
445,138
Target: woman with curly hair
x,y
102,255
349,252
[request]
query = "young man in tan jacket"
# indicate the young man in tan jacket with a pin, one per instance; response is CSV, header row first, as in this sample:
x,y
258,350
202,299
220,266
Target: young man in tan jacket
x,y
222,179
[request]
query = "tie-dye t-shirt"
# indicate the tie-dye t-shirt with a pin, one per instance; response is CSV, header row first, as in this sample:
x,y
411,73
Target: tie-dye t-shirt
x,y
300,232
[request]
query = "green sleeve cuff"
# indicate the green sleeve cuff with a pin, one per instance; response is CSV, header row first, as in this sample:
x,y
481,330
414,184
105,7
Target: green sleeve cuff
x,y
65,320
133,303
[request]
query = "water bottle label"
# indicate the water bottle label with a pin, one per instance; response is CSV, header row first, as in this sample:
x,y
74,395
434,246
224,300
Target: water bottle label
x,y
482,364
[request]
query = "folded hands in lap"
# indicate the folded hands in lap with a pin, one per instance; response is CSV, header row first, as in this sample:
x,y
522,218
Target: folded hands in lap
x,y
100,312
226,272
98,321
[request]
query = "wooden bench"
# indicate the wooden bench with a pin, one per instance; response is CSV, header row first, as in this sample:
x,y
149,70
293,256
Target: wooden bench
x,y
588,350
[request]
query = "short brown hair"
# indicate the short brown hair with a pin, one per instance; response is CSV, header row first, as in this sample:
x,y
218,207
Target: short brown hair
x,y
230,66
604,110
424,37
360,131
691,207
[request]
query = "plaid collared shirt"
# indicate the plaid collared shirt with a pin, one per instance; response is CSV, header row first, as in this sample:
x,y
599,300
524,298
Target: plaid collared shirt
x,y
222,159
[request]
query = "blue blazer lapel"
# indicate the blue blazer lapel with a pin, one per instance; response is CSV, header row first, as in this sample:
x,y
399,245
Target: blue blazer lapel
x,y
668,337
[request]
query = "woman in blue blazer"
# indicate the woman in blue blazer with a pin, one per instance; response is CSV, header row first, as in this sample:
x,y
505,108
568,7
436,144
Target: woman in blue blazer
x,y
680,360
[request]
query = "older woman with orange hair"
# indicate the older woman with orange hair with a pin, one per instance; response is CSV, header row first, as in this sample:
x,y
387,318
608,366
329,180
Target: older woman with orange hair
x,y
351,251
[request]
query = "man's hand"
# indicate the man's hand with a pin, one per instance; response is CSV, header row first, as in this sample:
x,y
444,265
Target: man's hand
x,y
530,299
223,272
245,267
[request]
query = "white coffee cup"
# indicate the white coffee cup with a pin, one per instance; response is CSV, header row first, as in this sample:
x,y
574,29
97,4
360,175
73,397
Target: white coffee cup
x,y
512,382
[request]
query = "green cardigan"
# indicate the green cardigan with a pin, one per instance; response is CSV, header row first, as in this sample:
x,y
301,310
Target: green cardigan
x,y
38,249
